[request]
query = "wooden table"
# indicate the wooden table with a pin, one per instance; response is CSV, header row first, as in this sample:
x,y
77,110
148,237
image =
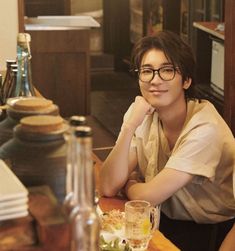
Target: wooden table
x,y
46,228
158,243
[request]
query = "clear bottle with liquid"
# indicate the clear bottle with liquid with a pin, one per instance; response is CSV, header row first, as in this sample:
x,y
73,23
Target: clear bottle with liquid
x,y
70,139
85,224
24,85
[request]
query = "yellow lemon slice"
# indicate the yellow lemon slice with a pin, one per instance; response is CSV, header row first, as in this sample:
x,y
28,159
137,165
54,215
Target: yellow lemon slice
x,y
146,226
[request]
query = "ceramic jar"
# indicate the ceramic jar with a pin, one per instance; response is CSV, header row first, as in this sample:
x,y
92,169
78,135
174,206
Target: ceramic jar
x,y
37,152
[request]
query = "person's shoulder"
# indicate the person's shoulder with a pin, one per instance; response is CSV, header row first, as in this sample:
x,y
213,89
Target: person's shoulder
x,y
203,111
203,117
201,105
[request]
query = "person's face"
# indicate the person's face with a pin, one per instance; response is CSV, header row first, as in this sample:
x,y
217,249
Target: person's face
x,y
158,92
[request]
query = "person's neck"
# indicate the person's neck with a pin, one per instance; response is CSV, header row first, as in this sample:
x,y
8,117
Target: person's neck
x,y
172,121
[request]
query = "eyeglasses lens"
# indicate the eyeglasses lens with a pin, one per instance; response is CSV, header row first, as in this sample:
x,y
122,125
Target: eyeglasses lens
x,y
165,73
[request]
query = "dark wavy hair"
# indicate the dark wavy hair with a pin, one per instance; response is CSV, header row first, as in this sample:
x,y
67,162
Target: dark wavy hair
x,y
178,52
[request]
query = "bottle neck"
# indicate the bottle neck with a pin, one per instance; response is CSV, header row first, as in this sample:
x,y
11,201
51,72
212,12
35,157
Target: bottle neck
x,y
24,86
84,175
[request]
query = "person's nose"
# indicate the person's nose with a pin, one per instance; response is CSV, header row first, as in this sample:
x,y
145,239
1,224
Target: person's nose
x,y
156,78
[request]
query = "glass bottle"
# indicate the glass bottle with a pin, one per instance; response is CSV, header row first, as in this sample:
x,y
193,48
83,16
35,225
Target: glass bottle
x,y
11,82
6,80
85,225
1,102
24,86
70,139
12,85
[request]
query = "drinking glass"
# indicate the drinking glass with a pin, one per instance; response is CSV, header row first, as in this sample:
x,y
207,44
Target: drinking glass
x,y
140,223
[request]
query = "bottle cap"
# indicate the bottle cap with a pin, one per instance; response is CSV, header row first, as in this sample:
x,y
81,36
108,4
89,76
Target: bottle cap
x,y
9,62
23,37
83,131
77,120
14,66
14,71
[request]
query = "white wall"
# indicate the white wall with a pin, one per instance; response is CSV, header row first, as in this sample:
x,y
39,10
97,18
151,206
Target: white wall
x,y
8,30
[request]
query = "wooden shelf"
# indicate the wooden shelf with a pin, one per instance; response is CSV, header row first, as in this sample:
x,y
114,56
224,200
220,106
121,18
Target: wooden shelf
x,y
210,27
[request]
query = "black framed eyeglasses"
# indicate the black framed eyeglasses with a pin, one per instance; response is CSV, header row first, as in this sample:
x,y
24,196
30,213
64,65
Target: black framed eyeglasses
x,y
166,73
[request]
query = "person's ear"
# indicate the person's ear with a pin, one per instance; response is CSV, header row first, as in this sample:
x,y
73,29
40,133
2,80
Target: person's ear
x,y
187,83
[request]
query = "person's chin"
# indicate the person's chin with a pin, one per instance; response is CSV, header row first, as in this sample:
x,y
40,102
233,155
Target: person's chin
x,y
156,101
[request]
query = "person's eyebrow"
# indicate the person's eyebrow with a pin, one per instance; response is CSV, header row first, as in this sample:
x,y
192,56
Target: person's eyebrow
x,y
162,65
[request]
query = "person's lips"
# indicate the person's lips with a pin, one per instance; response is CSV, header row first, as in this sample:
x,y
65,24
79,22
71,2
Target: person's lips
x,y
157,91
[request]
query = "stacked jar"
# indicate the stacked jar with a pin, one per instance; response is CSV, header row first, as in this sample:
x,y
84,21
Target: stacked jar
x,y
20,107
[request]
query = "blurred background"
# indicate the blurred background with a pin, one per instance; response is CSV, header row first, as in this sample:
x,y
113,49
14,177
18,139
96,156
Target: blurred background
x,y
110,88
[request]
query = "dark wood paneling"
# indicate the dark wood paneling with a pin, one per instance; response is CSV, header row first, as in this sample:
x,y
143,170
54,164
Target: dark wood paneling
x,y
171,15
50,41
229,80
35,8
202,49
21,15
61,68
116,28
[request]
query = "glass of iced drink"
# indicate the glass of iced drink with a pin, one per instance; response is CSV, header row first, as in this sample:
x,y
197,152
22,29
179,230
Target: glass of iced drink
x,y
140,223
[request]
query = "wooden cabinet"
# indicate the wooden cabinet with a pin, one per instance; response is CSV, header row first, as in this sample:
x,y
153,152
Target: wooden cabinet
x,y
126,21
156,15
198,11
61,68
34,8
204,32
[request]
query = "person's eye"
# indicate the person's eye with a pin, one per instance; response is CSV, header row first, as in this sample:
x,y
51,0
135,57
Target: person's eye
x,y
146,71
167,69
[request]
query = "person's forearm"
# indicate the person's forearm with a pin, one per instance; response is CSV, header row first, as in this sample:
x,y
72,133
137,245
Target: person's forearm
x,y
114,172
139,191
229,241
156,191
134,190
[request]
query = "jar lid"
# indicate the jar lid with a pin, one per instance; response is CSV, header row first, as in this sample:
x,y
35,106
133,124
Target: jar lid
x,y
23,37
31,104
42,123
10,62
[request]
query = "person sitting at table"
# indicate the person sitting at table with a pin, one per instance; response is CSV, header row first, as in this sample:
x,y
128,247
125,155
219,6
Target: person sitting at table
x,y
174,149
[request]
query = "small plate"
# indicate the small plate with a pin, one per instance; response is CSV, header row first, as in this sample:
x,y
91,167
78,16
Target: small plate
x,y
13,203
11,210
10,186
14,215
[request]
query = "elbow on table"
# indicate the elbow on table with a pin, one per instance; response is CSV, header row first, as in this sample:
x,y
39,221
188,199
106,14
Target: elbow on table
x,y
136,196
107,191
